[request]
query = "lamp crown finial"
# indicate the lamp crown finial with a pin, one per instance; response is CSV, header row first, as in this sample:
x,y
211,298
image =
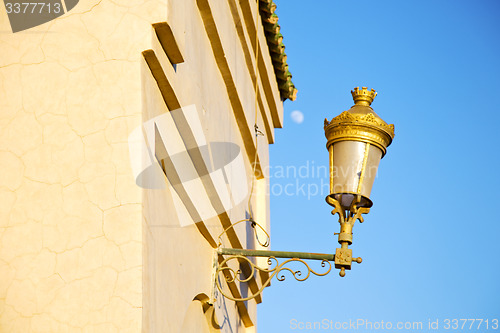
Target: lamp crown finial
x,y
363,96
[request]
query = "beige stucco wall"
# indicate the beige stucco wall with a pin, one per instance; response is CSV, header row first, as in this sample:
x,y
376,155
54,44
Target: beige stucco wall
x,y
82,247
70,213
178,257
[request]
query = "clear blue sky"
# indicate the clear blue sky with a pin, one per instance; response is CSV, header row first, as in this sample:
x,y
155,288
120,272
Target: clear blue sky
x,y
431,243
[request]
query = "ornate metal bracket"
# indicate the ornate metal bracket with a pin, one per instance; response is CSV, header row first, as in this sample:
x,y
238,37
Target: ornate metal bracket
x,y
228,269
276,268
347,217
223,272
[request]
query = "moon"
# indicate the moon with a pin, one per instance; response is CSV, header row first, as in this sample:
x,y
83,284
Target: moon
x,y
297,117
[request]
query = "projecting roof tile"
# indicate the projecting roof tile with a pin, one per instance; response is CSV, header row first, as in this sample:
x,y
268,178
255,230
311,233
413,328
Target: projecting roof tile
x,y
277,49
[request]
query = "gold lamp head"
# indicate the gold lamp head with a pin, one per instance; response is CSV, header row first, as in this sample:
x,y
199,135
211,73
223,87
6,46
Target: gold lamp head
x,y
357,140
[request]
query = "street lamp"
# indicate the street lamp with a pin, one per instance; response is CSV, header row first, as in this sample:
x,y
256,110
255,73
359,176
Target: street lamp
x,y
356,141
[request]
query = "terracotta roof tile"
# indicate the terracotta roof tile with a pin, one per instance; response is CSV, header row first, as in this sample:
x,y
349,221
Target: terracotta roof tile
x,y
277,49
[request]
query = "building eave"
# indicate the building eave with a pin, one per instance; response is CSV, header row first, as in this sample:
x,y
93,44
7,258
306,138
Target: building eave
x,y
276,47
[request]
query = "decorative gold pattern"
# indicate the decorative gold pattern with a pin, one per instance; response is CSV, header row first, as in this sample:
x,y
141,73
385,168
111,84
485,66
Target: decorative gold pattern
x,y
343,257
363,96
360,123
356,133
347,218
231,275
369,118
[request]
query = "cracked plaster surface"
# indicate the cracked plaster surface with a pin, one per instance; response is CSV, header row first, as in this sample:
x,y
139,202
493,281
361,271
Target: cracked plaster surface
x,y
70,212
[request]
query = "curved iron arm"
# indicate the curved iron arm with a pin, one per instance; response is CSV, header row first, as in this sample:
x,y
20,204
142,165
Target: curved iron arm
x,y
342,257
231,275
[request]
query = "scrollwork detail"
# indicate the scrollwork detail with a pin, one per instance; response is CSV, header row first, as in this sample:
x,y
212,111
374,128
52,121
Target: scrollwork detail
x,y
276,269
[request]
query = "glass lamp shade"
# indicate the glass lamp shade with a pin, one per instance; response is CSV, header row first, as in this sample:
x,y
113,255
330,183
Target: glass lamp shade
x,y
357,140
353,168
